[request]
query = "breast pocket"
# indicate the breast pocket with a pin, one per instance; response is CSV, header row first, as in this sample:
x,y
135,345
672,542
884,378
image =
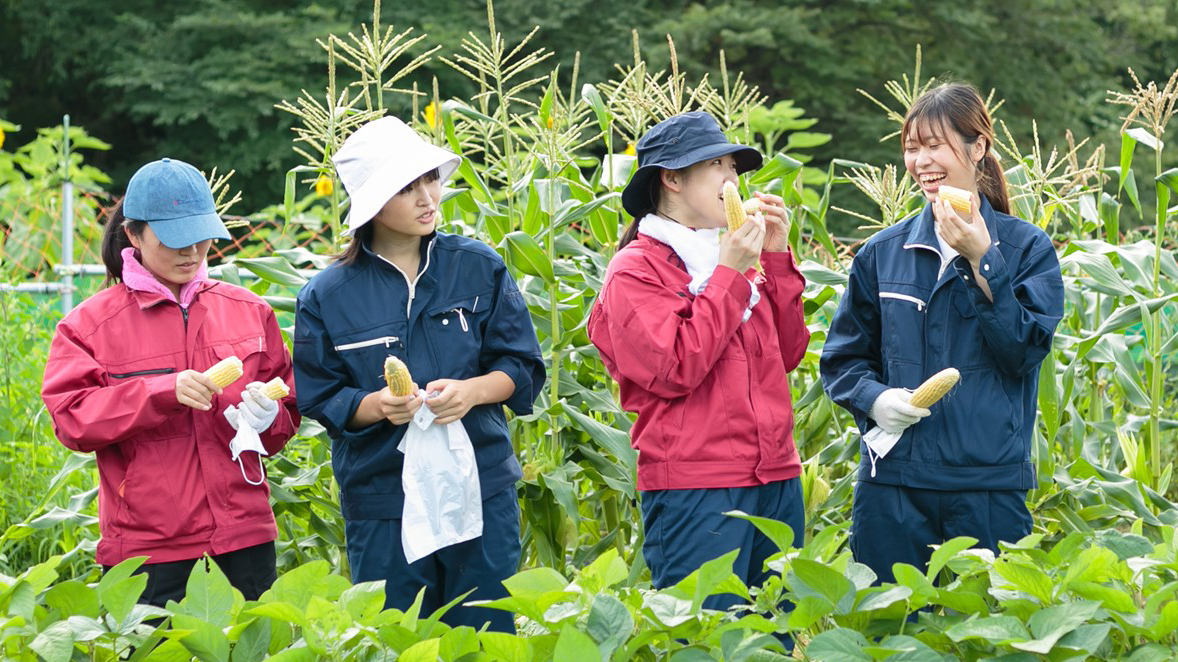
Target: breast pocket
x,y
455,331
966,347
902,316
364,352
142,369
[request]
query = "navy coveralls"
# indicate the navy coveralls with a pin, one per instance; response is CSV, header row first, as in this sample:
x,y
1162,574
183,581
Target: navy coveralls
x,y
965,469
463,317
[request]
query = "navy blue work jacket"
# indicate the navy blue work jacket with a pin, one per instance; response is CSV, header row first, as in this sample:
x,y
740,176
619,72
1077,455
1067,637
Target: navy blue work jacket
x,y
898,324
464,317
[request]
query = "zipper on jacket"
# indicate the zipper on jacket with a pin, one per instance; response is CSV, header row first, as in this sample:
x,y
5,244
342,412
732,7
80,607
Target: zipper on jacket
x,y
184,311
920,304
140,373
386,341
429,251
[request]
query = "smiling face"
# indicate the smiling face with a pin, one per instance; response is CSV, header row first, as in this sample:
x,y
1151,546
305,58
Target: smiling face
x,y
413,211
935,154
694,195
174,267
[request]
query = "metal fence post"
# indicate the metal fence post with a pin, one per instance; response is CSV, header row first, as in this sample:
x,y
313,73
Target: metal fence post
x,y
67,224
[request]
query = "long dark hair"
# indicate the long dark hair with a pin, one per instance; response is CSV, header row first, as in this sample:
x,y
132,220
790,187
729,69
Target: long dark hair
x,y
114,240
960,106
363,235
654,194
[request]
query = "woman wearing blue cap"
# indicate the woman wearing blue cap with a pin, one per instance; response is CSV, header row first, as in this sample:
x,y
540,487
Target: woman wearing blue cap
x,y
701,345
449,309
125,381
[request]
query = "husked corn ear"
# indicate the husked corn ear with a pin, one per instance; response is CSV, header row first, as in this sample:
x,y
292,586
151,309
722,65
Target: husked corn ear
x,y
396,373
934,388
225,372
733,207
275,389
959,198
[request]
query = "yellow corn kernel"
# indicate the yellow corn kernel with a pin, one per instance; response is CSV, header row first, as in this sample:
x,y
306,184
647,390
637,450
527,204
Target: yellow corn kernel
x,y
225,372
959,198
733,207
934,388
396,373
275,389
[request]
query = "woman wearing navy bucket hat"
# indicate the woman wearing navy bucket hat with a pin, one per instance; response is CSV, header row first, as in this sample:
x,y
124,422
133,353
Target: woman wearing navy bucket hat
x,y
701,345
124,381
449,309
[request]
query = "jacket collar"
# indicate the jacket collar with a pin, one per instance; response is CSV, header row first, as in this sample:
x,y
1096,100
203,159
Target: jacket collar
x,y
151,291
923,233
425,248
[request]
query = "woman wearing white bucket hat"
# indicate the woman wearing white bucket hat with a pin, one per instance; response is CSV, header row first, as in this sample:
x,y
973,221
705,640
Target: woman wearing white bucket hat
x,y
446,306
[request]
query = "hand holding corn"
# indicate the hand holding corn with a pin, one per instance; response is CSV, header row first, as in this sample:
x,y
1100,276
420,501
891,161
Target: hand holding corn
x,y
934,388
740,248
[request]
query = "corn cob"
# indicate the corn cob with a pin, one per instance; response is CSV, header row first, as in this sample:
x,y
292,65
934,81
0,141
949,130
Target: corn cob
x,y
733,207
225,372
275,389
959,198
396,373
934,388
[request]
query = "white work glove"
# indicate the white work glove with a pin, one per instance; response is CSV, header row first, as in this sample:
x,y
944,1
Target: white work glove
x,y
892,415
892,412
256,409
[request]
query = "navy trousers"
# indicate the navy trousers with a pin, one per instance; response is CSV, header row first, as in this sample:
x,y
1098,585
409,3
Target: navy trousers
x,y
892,524
375,553
685,528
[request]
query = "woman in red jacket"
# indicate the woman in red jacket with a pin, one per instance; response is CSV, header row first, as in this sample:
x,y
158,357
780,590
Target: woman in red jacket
x,y
124,381
701,343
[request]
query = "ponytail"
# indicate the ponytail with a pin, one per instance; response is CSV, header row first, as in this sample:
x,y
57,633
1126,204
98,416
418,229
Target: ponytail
x,y
655,195
992,183
114,240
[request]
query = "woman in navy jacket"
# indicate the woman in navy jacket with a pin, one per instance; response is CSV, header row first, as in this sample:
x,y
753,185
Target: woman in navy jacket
x,y
446,306
980,292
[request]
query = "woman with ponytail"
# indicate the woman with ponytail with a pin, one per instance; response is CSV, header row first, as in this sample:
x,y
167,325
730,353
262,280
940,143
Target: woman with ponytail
x,y
979,291
125,380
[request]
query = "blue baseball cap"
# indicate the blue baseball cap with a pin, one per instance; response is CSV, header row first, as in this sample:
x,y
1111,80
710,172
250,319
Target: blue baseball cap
x,y
175,200
677,142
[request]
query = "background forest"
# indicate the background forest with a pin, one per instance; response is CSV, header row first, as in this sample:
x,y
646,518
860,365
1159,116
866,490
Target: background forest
x,y
199,80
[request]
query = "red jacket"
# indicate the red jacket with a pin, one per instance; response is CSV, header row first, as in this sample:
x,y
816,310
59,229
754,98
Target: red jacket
x,y
168,488
711,393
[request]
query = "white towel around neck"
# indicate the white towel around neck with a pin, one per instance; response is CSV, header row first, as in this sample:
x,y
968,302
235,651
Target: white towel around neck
x,y
699,250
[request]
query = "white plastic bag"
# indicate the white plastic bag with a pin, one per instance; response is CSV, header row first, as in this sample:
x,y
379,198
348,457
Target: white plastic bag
x,y
443,504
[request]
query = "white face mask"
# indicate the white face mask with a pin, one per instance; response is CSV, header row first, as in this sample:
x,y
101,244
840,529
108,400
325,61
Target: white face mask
x,y
247,439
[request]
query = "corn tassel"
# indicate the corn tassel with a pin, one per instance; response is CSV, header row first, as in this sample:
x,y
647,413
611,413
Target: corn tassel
x,y
396,373
960,199
934,388
225,372
275,389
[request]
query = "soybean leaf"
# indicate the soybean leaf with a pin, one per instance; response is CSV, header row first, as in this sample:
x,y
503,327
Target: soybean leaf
x,y
838,645
575,646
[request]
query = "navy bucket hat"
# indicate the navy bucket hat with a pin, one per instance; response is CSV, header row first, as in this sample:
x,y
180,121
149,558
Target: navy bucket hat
x,y
175,200
678,142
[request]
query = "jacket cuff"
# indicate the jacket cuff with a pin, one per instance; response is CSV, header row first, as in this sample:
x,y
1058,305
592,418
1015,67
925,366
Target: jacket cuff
x,y
519,401
734,283
779,263
865,393
161,393
342,406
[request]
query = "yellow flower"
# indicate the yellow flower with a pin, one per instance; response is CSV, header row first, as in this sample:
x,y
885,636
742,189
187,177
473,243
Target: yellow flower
x,y
630,151
1,137
324,186
549,121
431,115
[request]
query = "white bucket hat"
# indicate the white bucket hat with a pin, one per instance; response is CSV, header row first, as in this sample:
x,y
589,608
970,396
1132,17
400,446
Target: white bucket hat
x,y
381,158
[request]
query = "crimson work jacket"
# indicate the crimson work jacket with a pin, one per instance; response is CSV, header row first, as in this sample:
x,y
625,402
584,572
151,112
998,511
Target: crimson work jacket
x,y
711,393
168,488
